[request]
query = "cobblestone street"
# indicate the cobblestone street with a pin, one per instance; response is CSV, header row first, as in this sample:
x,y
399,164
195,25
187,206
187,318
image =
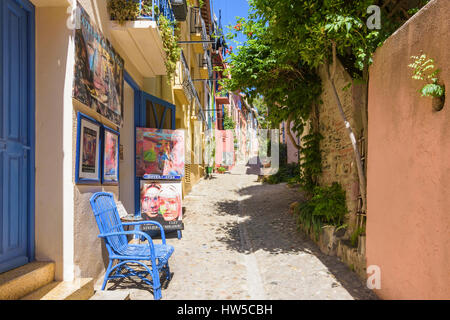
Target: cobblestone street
x,y
240,242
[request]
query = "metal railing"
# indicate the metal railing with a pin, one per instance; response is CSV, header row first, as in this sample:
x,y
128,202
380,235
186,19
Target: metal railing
x,y
151,9
183,78
204,61
197,25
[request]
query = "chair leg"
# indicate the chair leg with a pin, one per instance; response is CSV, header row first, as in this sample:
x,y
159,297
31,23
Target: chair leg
x,y
167,269
156,285
108,271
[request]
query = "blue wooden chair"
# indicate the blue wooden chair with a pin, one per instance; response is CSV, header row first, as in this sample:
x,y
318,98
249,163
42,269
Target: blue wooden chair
x,y
126,254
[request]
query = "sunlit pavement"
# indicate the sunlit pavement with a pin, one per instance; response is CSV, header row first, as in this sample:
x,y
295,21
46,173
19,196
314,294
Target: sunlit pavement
x,y
241,242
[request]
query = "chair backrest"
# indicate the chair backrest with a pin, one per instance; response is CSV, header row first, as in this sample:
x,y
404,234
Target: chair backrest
x,y
108,220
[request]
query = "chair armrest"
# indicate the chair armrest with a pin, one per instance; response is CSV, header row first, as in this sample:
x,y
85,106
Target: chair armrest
x,y
143,234
138,223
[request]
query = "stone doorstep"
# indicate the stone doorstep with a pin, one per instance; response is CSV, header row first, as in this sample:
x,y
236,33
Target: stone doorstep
x,y
19,282
78,289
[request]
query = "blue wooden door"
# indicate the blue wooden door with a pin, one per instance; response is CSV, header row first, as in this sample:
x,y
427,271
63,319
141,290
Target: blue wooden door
x,y
16,133
151,112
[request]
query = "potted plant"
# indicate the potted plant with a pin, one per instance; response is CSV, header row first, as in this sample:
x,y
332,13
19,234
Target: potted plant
x,y
221,170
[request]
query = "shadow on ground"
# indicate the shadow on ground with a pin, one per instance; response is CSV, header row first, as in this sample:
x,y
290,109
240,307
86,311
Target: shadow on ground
x,y
263,212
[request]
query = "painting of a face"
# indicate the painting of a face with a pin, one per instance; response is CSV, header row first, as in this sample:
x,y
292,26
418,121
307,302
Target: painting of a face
x,y
150,200
169,205
161,201
89,150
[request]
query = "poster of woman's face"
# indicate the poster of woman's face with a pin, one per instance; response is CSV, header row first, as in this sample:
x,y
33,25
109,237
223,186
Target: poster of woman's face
x,y
161,201
88,154
111,156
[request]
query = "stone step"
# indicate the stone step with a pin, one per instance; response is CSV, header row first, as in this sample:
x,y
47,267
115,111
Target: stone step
x,y
19,282
78,289
111,295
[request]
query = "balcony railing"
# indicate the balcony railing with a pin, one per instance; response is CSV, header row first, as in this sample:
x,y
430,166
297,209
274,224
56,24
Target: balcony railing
x,y
151,9
205,62
198,26
183,77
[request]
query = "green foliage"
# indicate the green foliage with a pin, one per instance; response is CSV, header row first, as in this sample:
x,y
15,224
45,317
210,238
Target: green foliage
x,y
170,43
425,70
327,206
228,123
260,69
354,237
287,173
311,161
123,10
221,169
191,3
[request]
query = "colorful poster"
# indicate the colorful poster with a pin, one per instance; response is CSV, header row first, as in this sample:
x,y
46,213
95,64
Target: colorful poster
x,y
99,71
161,202
88,150
110,156
89,154
159,153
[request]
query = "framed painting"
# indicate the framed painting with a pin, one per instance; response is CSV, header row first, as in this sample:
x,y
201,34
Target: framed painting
x,y
110,146
161,202
87,167
159,153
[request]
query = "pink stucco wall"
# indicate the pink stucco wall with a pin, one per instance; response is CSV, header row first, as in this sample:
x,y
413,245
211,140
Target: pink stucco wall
x,y
292,151
408,205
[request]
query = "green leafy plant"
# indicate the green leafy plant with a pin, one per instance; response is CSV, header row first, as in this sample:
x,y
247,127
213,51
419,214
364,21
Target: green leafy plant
x,y
311,161
327,206
191,3
425,70
354,237
170,43
221,169
228,123
123,10
286,173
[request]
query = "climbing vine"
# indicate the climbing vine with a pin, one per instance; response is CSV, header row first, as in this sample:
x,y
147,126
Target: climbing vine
x,y
172,49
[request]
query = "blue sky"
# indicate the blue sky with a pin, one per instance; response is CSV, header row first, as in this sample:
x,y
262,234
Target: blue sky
x,y
230,10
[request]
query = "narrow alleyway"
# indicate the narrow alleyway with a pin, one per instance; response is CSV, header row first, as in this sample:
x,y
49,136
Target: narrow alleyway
x,y
240,242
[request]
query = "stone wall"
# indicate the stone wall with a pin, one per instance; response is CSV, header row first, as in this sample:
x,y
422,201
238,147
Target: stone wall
x,y
338,165
338,162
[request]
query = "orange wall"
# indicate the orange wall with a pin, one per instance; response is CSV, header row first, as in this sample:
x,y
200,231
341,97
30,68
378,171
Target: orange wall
x,y
408,214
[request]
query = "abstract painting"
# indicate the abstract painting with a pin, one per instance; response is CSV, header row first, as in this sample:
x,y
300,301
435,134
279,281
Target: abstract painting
x,y
159,153
99,71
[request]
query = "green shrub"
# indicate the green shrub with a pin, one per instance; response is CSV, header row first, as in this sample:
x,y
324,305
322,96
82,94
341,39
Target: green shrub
x,y
285,174
327,206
